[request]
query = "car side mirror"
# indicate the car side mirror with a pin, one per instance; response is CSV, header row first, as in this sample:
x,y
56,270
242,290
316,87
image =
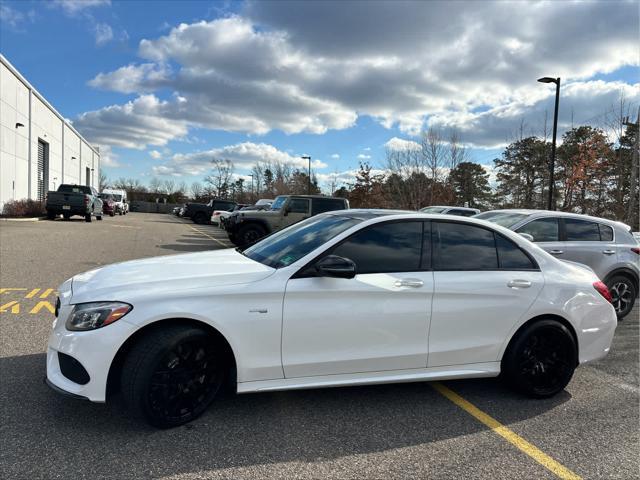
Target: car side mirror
x,y
335,266
527,236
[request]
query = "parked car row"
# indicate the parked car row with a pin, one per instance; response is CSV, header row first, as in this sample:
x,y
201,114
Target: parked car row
x,y
85,201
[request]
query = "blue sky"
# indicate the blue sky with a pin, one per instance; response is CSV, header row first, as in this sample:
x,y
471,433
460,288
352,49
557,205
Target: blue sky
x,y
163,87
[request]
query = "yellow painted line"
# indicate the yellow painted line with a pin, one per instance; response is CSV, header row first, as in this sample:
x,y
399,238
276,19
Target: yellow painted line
x,y
32,293
209,236
4,290
41,305
14,306
509,435
46,293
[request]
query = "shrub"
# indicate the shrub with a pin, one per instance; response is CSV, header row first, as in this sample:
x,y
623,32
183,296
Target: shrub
x,y
23,208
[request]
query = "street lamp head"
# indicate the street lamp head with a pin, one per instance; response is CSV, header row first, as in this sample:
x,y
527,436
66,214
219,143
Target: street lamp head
x,y
18,125
548,80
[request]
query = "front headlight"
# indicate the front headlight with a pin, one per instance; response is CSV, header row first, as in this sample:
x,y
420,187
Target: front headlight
x,y
89,316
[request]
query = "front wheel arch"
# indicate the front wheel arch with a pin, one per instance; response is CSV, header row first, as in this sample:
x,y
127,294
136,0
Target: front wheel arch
x,y
115,370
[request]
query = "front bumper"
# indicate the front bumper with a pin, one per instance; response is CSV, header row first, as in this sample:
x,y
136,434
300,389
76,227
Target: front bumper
x,y
94,349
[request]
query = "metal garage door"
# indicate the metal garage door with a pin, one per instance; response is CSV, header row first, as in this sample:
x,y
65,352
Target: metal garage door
x,y
43,169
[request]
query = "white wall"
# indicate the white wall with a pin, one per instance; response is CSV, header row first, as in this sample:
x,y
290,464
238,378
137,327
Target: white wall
x,y
43,123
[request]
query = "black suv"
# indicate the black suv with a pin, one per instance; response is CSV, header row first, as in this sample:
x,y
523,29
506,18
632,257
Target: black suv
x,y
248,226
201,212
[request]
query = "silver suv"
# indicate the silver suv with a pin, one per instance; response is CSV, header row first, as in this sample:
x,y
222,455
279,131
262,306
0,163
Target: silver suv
x,y
608,247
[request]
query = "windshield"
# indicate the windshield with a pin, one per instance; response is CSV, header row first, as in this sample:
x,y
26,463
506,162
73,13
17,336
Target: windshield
x,y
504,219
432,209
291,244
278,202
106,196
74,189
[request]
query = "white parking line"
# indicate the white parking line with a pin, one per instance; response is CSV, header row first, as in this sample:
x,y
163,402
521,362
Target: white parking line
x,y
225,245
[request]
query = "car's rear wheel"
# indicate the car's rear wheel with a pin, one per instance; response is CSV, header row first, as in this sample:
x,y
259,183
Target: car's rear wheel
x,y
51,215
66,216
541,359
250,233
623,294
87,217
200,218
172,375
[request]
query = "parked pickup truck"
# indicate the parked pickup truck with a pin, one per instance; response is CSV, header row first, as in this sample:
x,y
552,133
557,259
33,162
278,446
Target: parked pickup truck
x,y
246,226
201,212
71,200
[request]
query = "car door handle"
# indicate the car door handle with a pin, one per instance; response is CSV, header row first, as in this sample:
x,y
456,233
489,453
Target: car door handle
x,y
519,284
608,252
556,252
409,282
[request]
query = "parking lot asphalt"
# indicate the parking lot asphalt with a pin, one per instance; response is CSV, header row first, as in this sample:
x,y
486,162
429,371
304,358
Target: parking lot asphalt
x,y
392,431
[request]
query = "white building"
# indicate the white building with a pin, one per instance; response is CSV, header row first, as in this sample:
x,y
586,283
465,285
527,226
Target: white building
x,y
39,149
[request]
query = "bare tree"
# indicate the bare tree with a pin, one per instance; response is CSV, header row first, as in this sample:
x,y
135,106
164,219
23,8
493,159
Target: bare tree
x,y
155,185
457,153
196,190
220,179
103,181
169,186
434,154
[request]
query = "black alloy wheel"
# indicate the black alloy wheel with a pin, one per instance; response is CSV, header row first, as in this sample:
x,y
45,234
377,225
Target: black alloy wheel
x,y
250,234
541,359
173,375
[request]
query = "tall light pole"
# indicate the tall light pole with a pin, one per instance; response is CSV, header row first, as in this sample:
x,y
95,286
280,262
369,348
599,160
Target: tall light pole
x,y
308,158
552,164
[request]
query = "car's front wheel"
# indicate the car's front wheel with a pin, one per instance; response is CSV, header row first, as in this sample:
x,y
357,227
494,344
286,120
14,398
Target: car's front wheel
x,y
250,233
623,294
540,359
172,375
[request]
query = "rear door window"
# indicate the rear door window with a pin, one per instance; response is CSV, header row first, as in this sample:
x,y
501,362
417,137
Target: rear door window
x,y
542,230
321,205
511,257
606,233
459,246
581,230
461,213
299,205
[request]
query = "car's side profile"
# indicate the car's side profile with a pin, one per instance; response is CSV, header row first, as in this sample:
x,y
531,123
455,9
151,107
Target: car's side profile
x,y
343,298
606,246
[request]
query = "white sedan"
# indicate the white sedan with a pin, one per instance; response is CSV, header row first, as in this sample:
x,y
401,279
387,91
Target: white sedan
x,y
350,297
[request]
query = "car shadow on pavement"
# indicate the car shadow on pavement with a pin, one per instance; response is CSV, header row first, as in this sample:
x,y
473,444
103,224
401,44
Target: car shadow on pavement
x,y
46,433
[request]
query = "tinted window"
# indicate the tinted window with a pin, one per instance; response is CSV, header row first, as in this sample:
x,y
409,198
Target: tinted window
x,y
321,205
298,205
457,246
542,230
461,213
386,247
581,231
510,257
433,209
606,233
291,244
504,219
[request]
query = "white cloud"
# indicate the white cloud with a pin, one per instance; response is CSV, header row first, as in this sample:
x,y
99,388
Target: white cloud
x,y
15,18
73,7
103,33
155,154
136,124
399,144
335,156
107,157
367,149
270,68
243,155
362,156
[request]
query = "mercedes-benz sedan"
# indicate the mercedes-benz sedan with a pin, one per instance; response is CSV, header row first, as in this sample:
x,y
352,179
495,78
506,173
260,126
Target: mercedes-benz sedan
x,y
350,297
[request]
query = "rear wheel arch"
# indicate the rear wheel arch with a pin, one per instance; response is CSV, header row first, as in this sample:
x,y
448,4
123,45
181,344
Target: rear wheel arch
x,y
625,272
538,318
115,370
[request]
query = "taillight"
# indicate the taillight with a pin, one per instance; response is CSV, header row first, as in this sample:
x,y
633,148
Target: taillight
x,y
636,251
86,199
603,290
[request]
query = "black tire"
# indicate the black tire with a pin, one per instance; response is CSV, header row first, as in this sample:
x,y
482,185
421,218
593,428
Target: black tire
x,y
51,215
624,293
87,217
119,212
112,214
98,217
250,233
66,216
158,389
200,218
540,359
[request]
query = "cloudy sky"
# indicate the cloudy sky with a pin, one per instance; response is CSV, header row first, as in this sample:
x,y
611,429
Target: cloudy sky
x,y
163,87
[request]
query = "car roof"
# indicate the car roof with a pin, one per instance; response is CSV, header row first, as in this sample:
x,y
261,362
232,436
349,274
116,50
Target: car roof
x,y
555,213
449,206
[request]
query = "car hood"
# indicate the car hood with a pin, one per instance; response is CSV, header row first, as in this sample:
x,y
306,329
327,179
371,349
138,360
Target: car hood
x,y
166,275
